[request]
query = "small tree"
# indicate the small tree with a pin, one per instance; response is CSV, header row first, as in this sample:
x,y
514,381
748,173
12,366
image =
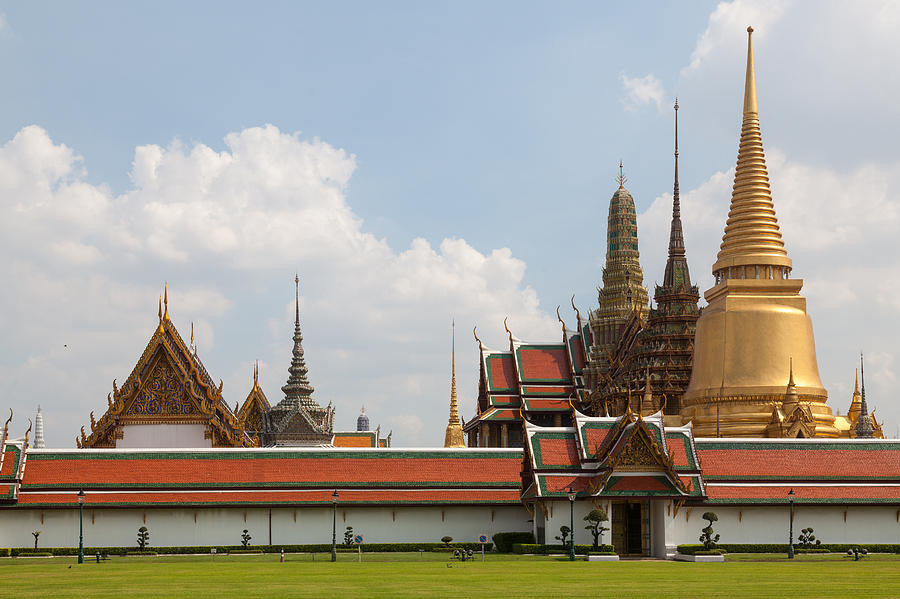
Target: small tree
x,y
446,540
707,538
595,520
143,537
36,534
348,536
245,539
807,539
564,532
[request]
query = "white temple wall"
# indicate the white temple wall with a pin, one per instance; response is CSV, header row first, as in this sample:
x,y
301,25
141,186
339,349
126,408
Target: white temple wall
x,y
770,524
151,436
558,515
223,526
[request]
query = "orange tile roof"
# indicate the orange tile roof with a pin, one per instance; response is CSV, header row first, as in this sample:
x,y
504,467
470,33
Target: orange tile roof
x,y
803,493
353,440
110,469
9,462
294,497
502,372
800,461
558,452
544,364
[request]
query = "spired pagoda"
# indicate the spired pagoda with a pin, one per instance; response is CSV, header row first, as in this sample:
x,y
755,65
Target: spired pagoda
x,y
297,419
168,400
654,351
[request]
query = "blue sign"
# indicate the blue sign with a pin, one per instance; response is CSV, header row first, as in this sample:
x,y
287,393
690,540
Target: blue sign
x,y
482,539
358,539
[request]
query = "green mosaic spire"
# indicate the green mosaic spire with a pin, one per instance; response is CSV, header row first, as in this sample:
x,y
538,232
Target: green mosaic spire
x,y
623,293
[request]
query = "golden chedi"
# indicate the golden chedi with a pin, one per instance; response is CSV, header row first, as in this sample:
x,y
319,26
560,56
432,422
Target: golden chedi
x,y
755,372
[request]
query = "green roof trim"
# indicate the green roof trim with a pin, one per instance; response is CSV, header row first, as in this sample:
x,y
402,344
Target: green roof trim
x,y
837,445
261,502
17,462
281,485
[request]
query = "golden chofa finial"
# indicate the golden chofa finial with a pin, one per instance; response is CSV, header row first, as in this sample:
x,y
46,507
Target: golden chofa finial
x,y
160,308
750,83
475,334
166,301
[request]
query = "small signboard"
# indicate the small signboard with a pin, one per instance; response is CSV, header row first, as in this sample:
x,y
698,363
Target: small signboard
x,y
358,539
482,539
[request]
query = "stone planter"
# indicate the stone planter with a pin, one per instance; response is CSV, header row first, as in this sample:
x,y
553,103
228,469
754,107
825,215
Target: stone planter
x,y
602,558
699,558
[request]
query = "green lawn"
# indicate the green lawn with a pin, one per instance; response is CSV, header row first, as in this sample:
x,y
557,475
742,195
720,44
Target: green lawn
x,y
427,575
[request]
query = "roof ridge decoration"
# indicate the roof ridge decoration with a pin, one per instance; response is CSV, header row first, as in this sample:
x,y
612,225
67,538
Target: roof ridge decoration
x,y
752,236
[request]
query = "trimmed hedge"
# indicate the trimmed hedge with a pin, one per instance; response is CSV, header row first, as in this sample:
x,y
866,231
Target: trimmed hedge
x,y
505,540
225,549
692,549
813,550
35,554
546,549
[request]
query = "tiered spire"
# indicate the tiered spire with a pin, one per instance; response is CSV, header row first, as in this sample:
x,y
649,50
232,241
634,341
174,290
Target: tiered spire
x,y
751,245
676,273
298,392
864,428
39,430
454,435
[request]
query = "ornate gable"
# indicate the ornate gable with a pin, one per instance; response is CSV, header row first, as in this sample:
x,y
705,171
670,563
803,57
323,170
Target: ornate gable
x,y
168,385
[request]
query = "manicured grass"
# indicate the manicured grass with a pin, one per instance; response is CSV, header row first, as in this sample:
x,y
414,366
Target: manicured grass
x,y
427,575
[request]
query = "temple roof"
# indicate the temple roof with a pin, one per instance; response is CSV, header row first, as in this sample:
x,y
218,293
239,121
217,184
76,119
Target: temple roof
x,y
271,476
169,384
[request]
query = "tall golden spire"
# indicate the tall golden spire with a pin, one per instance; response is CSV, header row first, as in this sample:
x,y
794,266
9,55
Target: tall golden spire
x,y
166,302
752,247
454,435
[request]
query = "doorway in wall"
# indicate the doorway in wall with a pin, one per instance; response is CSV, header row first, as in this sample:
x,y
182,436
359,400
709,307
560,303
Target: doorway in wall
x,y
631,527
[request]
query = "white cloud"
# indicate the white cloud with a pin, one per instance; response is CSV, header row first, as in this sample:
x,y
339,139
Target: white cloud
x,y
642,90
226,229
727,21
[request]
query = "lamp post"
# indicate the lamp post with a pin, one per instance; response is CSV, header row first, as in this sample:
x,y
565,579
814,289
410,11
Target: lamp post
x,y
791,532
81,526
571,495
334,499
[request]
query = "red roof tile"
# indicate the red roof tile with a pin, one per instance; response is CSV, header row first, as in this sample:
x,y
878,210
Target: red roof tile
x,y
544,364
294,497
561,484
677,451
596,437
842,493
558,452
798,461
639,483
174,470
502,372
9,462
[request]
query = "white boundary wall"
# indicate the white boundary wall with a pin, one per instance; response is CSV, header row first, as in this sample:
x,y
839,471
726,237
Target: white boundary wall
x,y
117,527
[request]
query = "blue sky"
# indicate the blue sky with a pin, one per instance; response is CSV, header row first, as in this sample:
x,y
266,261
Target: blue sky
x,y
396,127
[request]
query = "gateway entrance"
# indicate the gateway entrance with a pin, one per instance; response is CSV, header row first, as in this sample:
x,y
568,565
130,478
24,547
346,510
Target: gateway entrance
x,y
631,527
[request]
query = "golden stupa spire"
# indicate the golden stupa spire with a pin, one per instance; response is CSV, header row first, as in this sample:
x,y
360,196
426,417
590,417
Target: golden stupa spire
x,y
454,434
752,247
166,301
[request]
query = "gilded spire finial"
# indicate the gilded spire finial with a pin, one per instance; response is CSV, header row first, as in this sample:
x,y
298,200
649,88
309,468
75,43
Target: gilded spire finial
x,y
752,240
791,376
454,434
856,383
166,301
750,83
160,308
621,178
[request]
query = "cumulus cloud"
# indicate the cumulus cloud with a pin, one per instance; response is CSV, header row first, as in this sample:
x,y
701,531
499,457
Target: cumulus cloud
x,y
640,91
230,225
